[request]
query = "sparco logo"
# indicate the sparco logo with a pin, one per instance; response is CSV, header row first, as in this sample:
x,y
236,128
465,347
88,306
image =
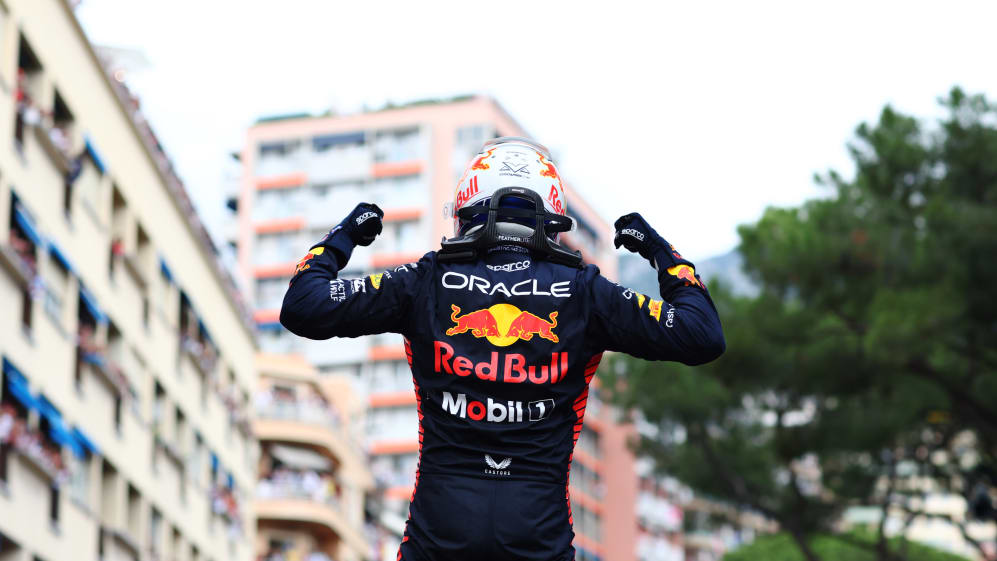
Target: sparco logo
x,y
510,267
365,216
635,233
497,411
497,468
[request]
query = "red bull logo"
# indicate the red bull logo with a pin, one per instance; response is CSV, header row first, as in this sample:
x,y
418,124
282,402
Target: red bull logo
x,y
686,273
548,168
509,368
503,324
464,195
303,265
479,162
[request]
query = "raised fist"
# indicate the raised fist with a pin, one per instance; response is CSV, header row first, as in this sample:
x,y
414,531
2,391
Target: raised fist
x,y
635,234
363,224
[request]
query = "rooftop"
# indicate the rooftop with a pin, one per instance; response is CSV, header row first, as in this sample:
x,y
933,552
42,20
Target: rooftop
x,y
389,106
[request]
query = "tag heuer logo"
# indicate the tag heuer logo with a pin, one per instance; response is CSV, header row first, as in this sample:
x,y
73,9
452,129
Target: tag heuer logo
x,y
497,468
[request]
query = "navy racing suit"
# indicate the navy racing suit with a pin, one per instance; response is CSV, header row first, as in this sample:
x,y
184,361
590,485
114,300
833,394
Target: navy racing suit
x,y
502,351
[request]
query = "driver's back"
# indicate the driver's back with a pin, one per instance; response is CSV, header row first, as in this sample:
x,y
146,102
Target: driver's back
x,y
502,351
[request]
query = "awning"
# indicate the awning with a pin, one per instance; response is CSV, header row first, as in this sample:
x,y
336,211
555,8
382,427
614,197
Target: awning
x,y
204,331
300,458
26,223
57,428
165,270
325,141
269,326
85,442
60,257
94,154
91,304
214,463
230,481
17,385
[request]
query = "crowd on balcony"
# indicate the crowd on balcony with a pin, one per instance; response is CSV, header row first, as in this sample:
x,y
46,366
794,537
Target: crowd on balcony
x,y
226,504
284,552
282,403
287,483
394,471
33,444
31,114
89,351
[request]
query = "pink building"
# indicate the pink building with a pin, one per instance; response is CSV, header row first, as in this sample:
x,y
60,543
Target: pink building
x,y
301,175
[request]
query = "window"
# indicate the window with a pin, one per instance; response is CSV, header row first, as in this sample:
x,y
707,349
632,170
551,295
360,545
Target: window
x,y
109,514
158,406
62,136
155,528
278,148
79,477
27,92
4,455
175,542
117,413
118,219
53,505
88,350
180,428
397,146
24,241
56,286
134,514
195,461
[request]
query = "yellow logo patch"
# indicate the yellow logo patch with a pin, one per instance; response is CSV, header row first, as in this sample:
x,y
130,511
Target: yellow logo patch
x,y
654,309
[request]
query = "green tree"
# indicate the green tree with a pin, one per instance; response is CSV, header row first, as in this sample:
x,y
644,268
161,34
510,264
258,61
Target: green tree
x,y
870,353
780,547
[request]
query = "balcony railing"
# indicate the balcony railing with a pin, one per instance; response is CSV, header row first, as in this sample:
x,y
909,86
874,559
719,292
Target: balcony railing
x,y
225,504
313,412
14,431
308,485
90,352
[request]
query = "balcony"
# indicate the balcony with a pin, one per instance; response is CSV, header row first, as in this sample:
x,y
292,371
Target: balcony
x,y
202,355
18,256
89,352
304,422
225,504
305,510
32,446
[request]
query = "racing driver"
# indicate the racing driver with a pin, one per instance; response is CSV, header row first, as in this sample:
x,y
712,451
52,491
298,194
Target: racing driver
x,y
504,328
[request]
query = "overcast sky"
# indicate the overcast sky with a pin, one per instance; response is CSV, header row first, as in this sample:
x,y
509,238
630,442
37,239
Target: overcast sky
x,y
698,114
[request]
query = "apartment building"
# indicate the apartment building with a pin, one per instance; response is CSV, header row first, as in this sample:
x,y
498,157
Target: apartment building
x,y
313,474
301,175
127,357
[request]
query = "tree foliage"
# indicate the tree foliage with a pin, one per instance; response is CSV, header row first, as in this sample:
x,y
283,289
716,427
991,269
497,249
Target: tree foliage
x,y
870,353
853,547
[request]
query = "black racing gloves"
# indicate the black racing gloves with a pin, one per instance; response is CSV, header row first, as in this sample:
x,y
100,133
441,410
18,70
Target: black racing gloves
x,y
359,228
363,224
635,234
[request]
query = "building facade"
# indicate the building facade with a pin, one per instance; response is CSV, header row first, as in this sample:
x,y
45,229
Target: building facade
x,y
125,429
313,474
301,175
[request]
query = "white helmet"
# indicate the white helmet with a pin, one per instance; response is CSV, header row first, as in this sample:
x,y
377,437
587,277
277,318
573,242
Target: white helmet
x,y
508,161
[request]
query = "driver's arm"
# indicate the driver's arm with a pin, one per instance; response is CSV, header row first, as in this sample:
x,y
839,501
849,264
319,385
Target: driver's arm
x,y
682,326
319,305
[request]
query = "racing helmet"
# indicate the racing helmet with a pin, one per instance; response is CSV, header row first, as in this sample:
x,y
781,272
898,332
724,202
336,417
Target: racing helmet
x,y
508,161
510,194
